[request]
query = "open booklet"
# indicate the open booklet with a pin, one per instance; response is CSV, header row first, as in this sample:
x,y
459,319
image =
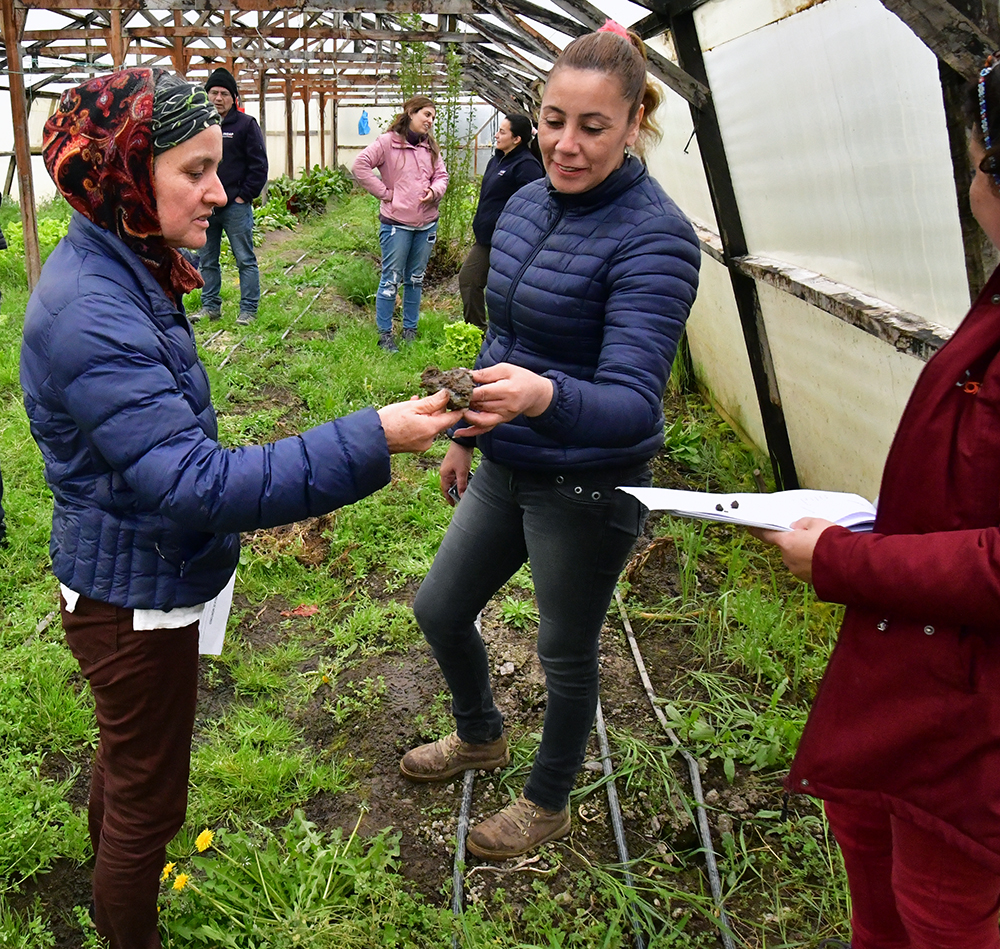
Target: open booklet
x,y
776,511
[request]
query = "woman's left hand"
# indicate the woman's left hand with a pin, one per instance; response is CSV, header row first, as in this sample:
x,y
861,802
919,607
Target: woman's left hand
x,y
796,545
428,197
503,392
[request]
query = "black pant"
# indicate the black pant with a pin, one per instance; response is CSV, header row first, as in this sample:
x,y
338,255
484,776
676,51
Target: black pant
x,y
576,532
472,285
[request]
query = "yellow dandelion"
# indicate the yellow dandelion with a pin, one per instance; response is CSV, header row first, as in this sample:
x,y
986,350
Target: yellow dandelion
x,y
326,680
167,870
204,840
181,881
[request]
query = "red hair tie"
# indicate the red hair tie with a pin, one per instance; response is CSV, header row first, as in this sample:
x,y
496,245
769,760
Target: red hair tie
x,y
610,26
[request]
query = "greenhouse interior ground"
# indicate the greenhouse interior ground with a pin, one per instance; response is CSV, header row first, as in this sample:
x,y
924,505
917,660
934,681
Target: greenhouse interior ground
x,y
819,151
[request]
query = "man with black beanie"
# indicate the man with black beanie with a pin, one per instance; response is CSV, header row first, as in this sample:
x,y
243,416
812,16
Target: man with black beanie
x,y
243,174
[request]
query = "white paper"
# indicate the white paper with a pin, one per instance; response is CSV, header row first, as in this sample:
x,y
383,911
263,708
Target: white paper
x,y
212,626
776,511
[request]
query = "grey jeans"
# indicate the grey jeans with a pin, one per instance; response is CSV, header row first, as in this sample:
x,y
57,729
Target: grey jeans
x,y
576,532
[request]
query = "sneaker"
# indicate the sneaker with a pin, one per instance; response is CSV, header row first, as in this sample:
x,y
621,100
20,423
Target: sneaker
x,y
204,314
246,318
386,342
409,336
518,828
449,756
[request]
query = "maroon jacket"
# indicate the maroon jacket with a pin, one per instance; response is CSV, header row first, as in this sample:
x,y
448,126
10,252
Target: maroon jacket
x,y
907,717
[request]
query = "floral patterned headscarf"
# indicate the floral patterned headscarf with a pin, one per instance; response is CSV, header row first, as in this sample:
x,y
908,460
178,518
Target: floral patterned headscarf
x,y
99,148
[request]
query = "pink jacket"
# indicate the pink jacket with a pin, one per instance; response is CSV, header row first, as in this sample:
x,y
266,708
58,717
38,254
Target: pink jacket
x,y
407,171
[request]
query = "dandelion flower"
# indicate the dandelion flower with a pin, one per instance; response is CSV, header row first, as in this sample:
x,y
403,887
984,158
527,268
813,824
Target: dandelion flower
x,y
181,881
167,870
204,840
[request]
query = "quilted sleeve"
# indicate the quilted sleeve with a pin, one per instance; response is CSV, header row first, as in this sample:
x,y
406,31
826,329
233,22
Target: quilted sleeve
x,y
109,371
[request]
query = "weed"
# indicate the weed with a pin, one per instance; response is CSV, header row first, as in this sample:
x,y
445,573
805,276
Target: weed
x,y
518,613
357,700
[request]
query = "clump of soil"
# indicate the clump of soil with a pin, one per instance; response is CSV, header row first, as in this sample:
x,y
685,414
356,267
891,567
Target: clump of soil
x,y
458,382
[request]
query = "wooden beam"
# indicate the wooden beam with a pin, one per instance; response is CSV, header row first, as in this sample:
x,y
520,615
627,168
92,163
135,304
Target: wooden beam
x,y
22,149
322,129
429,7
289,132
727,213
306,97
670,74
949,33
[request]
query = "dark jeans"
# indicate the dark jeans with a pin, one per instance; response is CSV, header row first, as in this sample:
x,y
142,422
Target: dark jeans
x,y
145,687
237,221
472,285
576,532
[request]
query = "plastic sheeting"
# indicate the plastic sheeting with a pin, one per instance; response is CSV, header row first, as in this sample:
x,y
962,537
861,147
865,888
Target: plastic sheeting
x,y
835,133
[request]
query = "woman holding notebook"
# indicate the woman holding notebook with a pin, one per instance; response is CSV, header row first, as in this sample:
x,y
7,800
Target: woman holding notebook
x,y
903,742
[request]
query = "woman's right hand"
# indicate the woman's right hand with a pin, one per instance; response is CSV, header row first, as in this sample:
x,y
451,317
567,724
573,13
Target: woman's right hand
x,y
455,470
413,425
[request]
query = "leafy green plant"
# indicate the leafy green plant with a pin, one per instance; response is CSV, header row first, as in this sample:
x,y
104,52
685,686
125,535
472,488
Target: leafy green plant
x,y
520,614
462,342
294,888
357,700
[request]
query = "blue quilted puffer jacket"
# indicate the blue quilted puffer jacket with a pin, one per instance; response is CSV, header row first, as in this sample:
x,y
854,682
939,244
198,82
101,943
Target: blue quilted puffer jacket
x,y
148,506
591,291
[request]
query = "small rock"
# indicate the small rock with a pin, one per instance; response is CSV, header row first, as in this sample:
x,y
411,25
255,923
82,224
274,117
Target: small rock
x,y
712,797
507,669
725,824
593,766
563,899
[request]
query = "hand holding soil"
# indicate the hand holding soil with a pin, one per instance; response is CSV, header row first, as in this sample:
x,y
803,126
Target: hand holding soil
x,y
458,382
413,425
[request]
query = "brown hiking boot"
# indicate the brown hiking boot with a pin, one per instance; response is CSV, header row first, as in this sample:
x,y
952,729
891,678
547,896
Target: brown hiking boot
x,y
518,828
450,755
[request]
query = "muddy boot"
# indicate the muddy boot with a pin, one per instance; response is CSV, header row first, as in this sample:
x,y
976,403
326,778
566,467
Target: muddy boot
x,y
449,756
518,828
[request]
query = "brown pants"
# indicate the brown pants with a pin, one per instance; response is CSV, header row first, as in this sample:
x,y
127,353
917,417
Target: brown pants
x,y
145,686
472,285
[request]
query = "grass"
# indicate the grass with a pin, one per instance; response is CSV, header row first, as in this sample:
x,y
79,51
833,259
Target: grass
x,y
749,647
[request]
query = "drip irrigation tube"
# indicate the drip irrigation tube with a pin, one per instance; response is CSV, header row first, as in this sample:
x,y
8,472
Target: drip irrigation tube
x,y
616,819
704,833
239,342
457,875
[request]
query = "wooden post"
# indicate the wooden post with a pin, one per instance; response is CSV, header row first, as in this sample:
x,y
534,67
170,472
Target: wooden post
x,y
22,147
734,245
116,42
262,86
333,131
322,129
306,96
289,129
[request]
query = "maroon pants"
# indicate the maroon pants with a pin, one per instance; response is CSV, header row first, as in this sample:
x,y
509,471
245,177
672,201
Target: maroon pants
x,y
145,687
910,889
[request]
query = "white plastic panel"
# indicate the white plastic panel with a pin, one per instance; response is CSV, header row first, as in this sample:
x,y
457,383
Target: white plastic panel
x,y
834,128
719,353
720,21
842,391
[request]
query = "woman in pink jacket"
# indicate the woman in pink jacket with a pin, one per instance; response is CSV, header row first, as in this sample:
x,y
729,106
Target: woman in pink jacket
x,y
903,741
410,183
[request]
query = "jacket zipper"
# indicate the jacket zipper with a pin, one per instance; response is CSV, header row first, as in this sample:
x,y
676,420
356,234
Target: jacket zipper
x,y
517,279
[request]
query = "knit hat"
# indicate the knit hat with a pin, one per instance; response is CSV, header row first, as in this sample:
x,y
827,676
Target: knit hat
x,y
223,77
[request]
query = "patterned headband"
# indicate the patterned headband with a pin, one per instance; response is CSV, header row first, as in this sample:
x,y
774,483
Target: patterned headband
x,y
992,61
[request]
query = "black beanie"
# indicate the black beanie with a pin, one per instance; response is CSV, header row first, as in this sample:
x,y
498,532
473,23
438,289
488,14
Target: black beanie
x,y
223,77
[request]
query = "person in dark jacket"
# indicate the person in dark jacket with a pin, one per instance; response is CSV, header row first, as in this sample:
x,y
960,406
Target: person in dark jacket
x,y
511,168
243,174
902,743
148,504
592,276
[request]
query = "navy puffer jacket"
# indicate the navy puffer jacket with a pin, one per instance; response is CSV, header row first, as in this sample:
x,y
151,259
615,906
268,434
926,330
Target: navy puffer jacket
x,y
147,504
591,291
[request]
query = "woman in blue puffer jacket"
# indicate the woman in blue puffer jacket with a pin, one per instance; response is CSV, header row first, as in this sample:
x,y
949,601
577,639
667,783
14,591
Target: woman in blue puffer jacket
x,y
147,503
592,275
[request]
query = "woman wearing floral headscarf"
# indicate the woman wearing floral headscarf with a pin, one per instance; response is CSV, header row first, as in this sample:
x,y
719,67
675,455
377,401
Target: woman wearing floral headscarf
x,y
148,505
